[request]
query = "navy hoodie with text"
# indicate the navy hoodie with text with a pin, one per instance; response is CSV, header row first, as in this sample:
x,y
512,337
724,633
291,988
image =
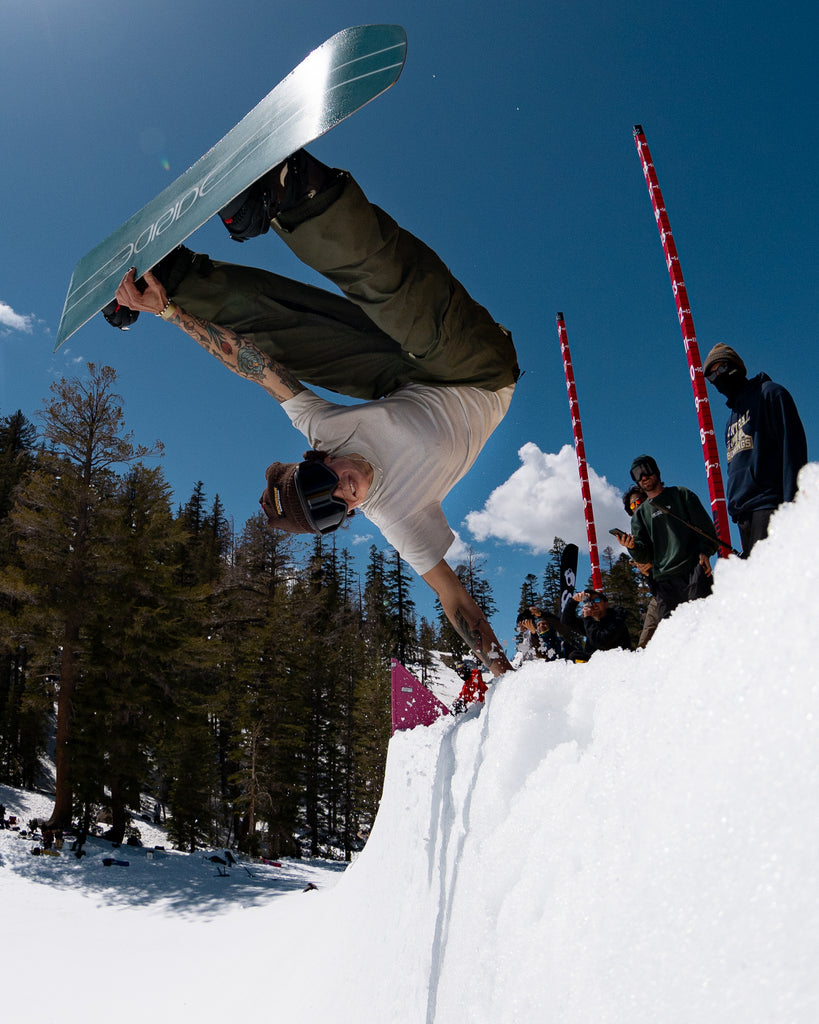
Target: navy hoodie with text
x,y
766,446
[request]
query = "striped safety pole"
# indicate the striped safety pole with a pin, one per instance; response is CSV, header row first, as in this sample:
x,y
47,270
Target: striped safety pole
x,y
719,509
580,450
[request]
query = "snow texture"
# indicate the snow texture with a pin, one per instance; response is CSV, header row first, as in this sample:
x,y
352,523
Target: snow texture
x,y
630,840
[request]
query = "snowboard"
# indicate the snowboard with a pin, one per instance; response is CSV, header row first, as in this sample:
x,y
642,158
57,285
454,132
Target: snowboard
x,y
334,81
568,574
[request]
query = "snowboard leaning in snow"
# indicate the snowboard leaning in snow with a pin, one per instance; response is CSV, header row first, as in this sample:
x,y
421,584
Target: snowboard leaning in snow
x,y
335,80
568,574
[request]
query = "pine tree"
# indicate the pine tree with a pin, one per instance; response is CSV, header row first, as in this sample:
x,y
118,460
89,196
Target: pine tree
x,y
136,646
528,593
191,801
622,585
471,574
18,437
426,645
261,699
61,522
551,577
397,584
24,698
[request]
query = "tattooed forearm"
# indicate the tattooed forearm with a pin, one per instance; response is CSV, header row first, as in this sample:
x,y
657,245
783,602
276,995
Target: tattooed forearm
x,y
482,642
471,635
240,355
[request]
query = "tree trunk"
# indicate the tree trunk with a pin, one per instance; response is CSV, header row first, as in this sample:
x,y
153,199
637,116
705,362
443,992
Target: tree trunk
x,y
63,797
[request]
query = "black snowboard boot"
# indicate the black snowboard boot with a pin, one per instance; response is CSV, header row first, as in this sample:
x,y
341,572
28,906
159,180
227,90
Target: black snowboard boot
x,y
119,316
295,190
250,213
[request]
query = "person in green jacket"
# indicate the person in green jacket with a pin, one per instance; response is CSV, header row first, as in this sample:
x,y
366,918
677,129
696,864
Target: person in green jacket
x,y
661,534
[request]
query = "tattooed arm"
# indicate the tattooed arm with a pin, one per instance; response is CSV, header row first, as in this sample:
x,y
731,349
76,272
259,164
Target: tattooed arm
x,y
467,618
237,353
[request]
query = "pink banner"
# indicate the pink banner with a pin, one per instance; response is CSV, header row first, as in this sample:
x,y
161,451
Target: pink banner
x,y
412,703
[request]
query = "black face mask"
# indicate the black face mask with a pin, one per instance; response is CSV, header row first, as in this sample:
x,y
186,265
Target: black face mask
x,y
729,383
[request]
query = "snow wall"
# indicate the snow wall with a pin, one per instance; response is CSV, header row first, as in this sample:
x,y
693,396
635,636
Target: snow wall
x,y
634,839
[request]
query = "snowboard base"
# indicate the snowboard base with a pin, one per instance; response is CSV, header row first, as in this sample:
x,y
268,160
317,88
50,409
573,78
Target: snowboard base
x,y
342,75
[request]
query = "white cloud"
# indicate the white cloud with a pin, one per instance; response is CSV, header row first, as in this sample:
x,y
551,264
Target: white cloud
x,y
542,500
16,321
458,551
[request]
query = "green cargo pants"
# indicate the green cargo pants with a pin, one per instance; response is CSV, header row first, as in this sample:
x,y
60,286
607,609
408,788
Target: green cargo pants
x,y
402,318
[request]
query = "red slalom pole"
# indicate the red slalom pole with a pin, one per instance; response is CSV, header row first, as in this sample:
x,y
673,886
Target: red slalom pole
x,y
580,450
713,473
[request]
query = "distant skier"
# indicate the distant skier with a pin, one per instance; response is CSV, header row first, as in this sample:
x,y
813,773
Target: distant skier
x,y
436,370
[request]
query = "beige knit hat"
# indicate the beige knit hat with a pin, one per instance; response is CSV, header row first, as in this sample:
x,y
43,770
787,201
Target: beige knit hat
x,y
723,353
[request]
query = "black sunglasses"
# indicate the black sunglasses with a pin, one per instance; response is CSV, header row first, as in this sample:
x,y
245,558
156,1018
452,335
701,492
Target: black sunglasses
x,y
315,484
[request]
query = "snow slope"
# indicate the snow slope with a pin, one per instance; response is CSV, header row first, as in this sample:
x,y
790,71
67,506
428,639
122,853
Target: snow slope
x,y
631,840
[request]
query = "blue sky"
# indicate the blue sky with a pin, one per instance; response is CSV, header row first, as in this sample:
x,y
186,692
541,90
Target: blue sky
x,y
506,145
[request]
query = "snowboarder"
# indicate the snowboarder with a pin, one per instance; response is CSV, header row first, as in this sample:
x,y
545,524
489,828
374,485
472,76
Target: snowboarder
x,y
436,372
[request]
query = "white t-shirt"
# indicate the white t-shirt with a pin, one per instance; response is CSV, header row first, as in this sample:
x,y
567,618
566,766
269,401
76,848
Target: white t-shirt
x,y
420,441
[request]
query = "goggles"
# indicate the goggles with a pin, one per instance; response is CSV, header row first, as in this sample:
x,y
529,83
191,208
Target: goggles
x,y
634,504
315,484
717,372
643,469
593,600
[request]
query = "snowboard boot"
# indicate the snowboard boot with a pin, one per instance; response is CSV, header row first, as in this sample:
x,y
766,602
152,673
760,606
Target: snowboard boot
x,y
308,188
295,190
250,213
119,316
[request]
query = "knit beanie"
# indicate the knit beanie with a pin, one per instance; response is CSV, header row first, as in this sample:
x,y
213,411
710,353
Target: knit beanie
x,y
280,500
723,353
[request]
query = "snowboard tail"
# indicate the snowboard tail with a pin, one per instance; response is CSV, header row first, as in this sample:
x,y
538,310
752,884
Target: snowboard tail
x,y
338,78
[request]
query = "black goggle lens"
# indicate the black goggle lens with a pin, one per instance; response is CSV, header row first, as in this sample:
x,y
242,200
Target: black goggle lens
x,y
717,372
642,469
315,484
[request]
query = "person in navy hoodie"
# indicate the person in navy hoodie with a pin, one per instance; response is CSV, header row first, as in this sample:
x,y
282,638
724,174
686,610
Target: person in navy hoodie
x,y
765,442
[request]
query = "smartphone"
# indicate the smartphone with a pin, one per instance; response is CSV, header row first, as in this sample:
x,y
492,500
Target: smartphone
x,y
618,534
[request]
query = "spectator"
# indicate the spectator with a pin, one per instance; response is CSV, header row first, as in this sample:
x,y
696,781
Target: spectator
x,y
473,690
765,442
539,639
632,500
604,625
672,531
